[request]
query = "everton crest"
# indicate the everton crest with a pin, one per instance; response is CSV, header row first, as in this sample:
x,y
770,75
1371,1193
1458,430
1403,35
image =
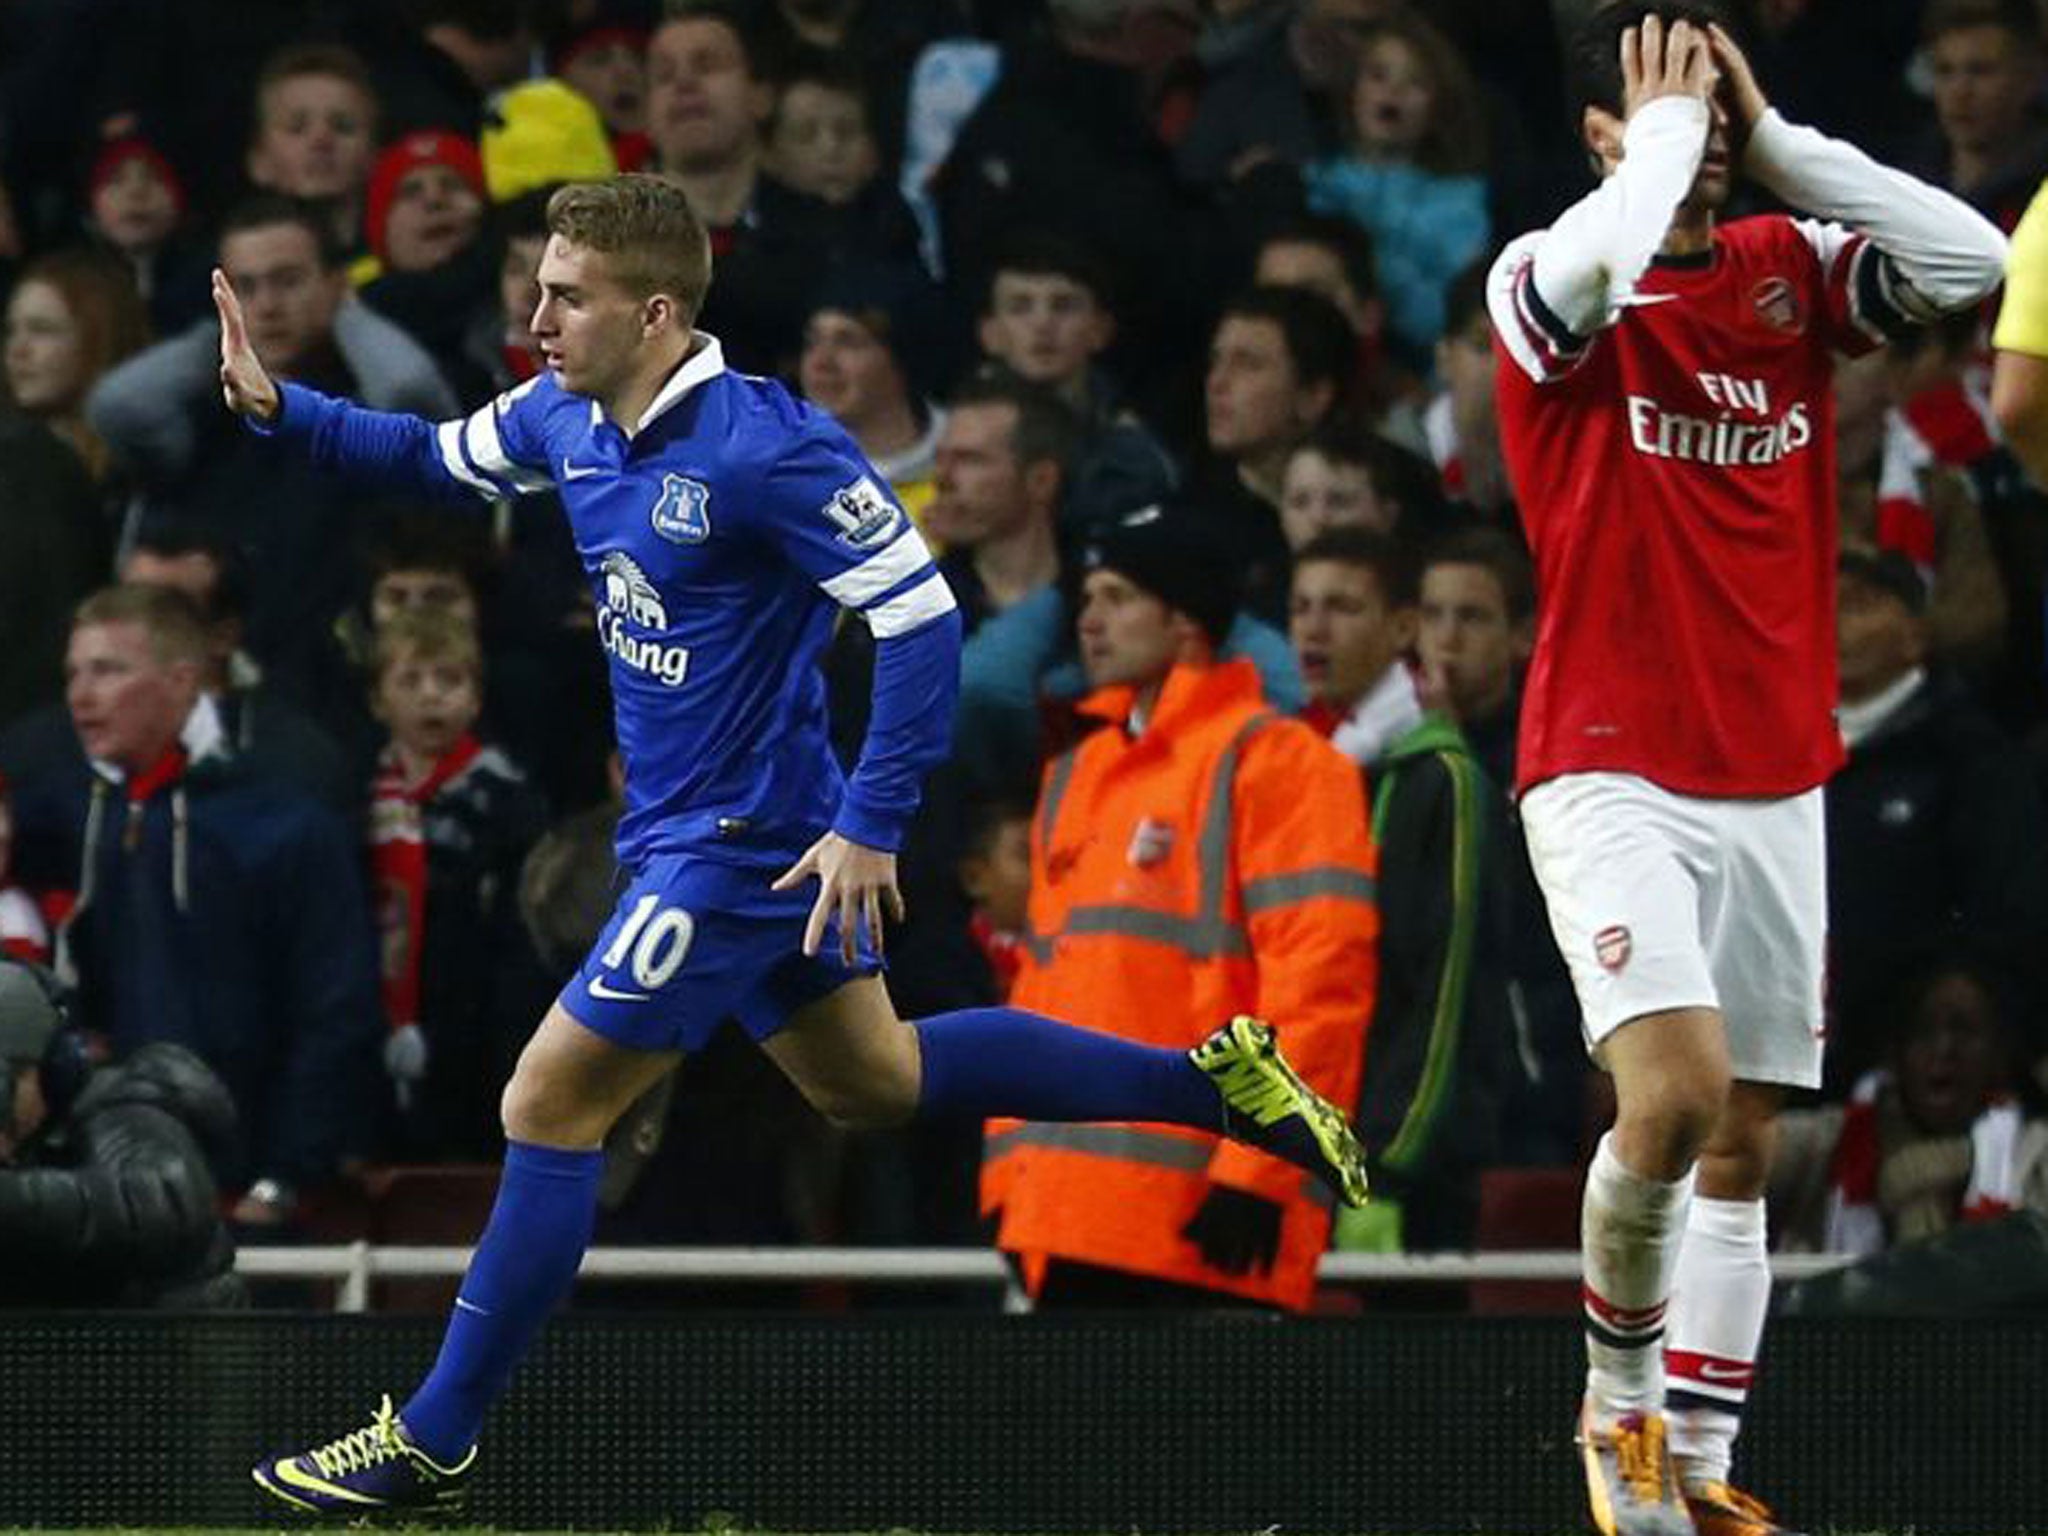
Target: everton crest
x,y
683,514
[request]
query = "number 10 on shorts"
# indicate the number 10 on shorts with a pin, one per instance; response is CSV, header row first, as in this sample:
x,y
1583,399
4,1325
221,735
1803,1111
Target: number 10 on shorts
x,y
657,940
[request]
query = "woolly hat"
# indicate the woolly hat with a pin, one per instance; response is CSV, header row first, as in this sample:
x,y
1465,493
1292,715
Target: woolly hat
x,y
1173,551
428,147
540,133
897,305
127,145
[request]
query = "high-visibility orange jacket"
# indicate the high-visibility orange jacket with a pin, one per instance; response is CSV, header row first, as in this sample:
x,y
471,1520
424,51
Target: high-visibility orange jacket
x,y
1216,863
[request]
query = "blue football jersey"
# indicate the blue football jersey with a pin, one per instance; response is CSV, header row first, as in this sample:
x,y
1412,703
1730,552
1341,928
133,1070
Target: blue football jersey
x,y
721,538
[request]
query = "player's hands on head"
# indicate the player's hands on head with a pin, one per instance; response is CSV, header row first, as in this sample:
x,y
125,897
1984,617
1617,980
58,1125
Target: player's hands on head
x,y
1657,61
1745,96
857,884
245,386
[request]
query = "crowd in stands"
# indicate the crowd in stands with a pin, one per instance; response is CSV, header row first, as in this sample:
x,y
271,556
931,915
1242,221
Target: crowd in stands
x,y
319,787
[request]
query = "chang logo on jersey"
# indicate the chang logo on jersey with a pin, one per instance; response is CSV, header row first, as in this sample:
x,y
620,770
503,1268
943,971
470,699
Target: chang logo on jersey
x,y
1722,440
630,603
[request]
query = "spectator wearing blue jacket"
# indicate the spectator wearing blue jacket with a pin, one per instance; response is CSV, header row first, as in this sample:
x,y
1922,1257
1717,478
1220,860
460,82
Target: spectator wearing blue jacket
x,y
216,911
1411,174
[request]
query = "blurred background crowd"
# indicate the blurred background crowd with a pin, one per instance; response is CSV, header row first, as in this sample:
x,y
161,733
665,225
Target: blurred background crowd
x,y
1047,261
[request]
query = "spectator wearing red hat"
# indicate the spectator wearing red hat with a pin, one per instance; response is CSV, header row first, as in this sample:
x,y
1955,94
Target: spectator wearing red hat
x,y
425,201
605,59
434,271
136,206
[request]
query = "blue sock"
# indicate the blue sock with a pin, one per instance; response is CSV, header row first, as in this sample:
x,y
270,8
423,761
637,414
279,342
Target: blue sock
x,y
1003,1061
524,1263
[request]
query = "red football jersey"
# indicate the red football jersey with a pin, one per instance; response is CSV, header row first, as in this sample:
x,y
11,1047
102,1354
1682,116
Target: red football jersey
x,y
1676,475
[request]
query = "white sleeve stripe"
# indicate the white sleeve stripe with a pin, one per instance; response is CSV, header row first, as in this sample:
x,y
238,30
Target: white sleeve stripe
x,y
448,437
860,585
906,611
487,451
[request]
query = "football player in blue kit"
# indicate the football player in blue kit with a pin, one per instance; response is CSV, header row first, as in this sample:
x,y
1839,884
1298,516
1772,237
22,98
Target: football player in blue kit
x,y
722,524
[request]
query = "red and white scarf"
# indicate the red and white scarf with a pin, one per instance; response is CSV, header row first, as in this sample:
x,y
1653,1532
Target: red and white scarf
x,y
398,869
1855,1224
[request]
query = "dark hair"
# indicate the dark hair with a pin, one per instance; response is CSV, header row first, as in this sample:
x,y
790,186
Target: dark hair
x,y
1465,299
1046,253
806,64
1046,428
267,210
1392,563
1495,550
984,818
431,541
1454,143
1319,340
173,540
1350,243
1932,961
736,19
1397,474
2019,18
1593,58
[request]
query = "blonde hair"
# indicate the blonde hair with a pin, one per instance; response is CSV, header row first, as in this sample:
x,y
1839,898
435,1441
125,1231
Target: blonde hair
x,y
646,226
176,628
426,634
1454,143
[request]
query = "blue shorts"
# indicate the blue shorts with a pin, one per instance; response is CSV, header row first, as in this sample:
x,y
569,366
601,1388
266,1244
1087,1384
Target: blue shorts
x,y
693,943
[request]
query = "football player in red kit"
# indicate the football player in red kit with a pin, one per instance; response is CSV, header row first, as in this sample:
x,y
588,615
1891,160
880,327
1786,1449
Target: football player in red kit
x,y
1667,420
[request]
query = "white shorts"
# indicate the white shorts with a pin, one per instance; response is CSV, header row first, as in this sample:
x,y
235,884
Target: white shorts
x,y
1660,900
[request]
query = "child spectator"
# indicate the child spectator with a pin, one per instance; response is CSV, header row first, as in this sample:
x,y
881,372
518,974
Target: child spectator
x,y
821,141
1412,172
995,872
1945,1133
316,132
451,820
136,207
23,933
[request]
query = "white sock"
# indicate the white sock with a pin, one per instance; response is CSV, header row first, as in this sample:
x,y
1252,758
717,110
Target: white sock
x,y
1628,1236
1718,1303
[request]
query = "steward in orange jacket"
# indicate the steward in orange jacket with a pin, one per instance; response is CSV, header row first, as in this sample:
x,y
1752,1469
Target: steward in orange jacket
x,y
1201,856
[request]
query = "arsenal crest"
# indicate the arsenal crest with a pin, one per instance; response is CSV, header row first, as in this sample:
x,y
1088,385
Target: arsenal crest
x,y
1779,306
1611,947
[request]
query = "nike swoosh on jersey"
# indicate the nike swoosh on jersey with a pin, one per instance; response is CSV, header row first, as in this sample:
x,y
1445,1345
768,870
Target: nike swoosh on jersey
x,y
606,993
1639,299
1714,1370
585,471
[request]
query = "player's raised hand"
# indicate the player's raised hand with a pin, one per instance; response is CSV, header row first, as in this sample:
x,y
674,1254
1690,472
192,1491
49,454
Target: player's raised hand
x,y
1746,96
1658,62
856,883
245,386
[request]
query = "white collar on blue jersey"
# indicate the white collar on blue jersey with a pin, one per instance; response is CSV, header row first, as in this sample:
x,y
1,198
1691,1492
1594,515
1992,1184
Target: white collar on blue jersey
x,y
705,362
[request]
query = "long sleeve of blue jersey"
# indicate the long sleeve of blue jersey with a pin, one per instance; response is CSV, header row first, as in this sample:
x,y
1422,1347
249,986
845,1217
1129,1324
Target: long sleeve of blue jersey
x,y
493,452
834,519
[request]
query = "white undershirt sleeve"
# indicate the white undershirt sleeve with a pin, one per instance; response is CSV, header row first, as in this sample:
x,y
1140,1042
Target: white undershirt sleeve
x,y
1944,254
1589,260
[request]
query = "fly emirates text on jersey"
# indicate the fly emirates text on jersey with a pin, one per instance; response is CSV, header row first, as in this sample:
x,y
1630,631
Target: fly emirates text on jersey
x,y
1743,431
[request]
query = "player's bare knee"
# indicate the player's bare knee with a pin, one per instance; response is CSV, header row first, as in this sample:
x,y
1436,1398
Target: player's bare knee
x,y
539,1109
